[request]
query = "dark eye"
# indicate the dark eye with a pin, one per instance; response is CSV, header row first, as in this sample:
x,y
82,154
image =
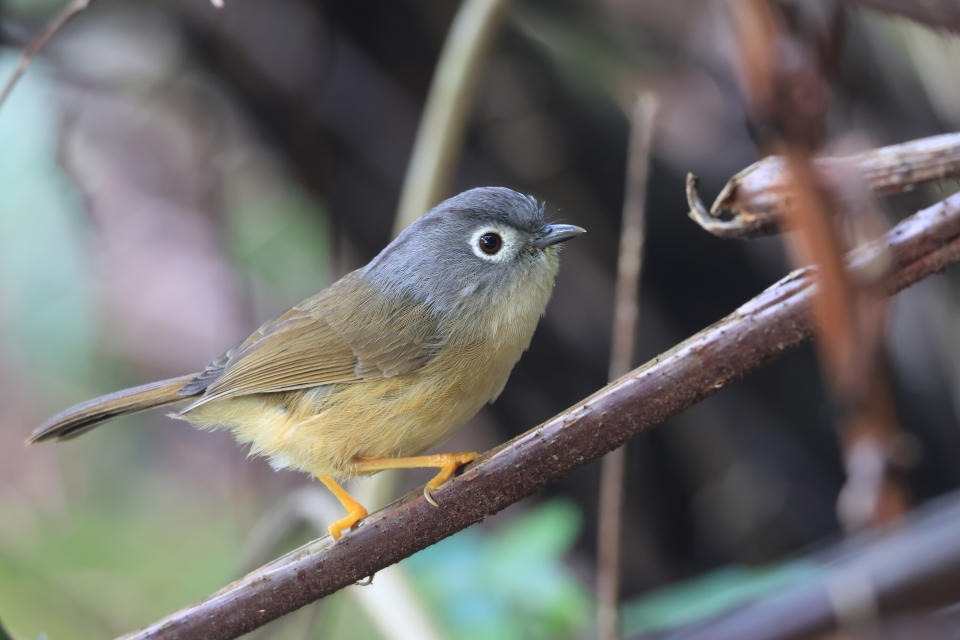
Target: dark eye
x,y
490,243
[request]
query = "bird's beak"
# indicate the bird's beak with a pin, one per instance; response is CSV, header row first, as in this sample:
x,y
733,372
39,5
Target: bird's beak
x,y
551,234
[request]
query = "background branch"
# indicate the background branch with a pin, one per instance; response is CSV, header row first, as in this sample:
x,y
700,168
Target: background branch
x,y
850,311
909,566
757,196
766,326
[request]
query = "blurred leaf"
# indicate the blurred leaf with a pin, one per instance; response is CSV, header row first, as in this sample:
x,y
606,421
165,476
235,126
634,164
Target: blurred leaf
x,y
511,584
709,595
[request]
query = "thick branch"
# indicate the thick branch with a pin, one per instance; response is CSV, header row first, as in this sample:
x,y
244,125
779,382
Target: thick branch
x,y
766,326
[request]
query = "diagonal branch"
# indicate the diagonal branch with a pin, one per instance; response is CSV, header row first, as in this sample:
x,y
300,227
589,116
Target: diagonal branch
x,y
910,566
766,326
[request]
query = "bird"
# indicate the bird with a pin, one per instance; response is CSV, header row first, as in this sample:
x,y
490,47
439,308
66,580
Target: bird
x,y
383,364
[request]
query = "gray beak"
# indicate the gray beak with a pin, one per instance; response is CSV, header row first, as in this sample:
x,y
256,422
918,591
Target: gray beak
x,y
551,234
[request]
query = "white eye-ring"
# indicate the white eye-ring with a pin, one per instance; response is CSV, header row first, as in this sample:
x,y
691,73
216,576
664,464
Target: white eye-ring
x,y
493,244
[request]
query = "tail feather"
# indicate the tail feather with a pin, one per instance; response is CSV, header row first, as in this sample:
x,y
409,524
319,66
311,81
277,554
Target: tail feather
x,y
82,417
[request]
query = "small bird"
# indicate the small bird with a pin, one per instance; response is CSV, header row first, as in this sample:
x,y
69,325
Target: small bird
x,y
384,363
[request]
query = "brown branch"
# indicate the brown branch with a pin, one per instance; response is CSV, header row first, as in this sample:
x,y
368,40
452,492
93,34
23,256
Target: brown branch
x,y
738,228
771,323
72,9
850,316
622,347
940,14
850,311
908,567
757,197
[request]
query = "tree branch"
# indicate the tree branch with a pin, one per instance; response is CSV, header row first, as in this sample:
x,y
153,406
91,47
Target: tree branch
x,y
909,566
818,199
766,326
757,197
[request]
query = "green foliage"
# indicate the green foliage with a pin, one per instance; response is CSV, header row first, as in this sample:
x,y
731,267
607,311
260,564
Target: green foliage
x,y
512,584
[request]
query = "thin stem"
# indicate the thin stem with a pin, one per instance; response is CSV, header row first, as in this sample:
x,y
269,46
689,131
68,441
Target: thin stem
x,y
622,347
72,9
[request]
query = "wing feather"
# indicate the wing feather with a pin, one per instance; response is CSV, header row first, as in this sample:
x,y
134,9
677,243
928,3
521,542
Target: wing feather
x,y
326,339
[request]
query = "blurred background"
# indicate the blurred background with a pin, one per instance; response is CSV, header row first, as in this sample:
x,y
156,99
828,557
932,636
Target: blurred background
x,y
175,174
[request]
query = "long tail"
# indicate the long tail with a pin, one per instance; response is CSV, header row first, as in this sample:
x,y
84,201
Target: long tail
x,y
82,417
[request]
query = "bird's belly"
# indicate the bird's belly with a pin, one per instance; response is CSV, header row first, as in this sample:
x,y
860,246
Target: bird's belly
x,y
325,429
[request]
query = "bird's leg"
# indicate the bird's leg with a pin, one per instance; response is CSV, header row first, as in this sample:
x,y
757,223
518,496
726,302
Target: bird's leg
x,y
446,462
355,510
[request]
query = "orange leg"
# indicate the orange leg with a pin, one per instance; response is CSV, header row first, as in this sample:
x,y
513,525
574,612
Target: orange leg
x,y
355,510
446,462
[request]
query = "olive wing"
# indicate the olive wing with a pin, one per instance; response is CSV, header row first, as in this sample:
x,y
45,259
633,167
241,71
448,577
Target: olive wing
x,y
347,333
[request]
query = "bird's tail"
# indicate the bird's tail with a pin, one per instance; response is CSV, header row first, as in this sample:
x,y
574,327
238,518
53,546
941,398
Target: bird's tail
x,y
82,417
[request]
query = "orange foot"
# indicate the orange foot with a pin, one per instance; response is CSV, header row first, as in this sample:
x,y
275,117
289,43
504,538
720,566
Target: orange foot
x,y
446,462
355,510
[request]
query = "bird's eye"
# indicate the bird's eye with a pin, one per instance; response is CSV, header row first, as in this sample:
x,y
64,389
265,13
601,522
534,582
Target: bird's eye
x,y
490,243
